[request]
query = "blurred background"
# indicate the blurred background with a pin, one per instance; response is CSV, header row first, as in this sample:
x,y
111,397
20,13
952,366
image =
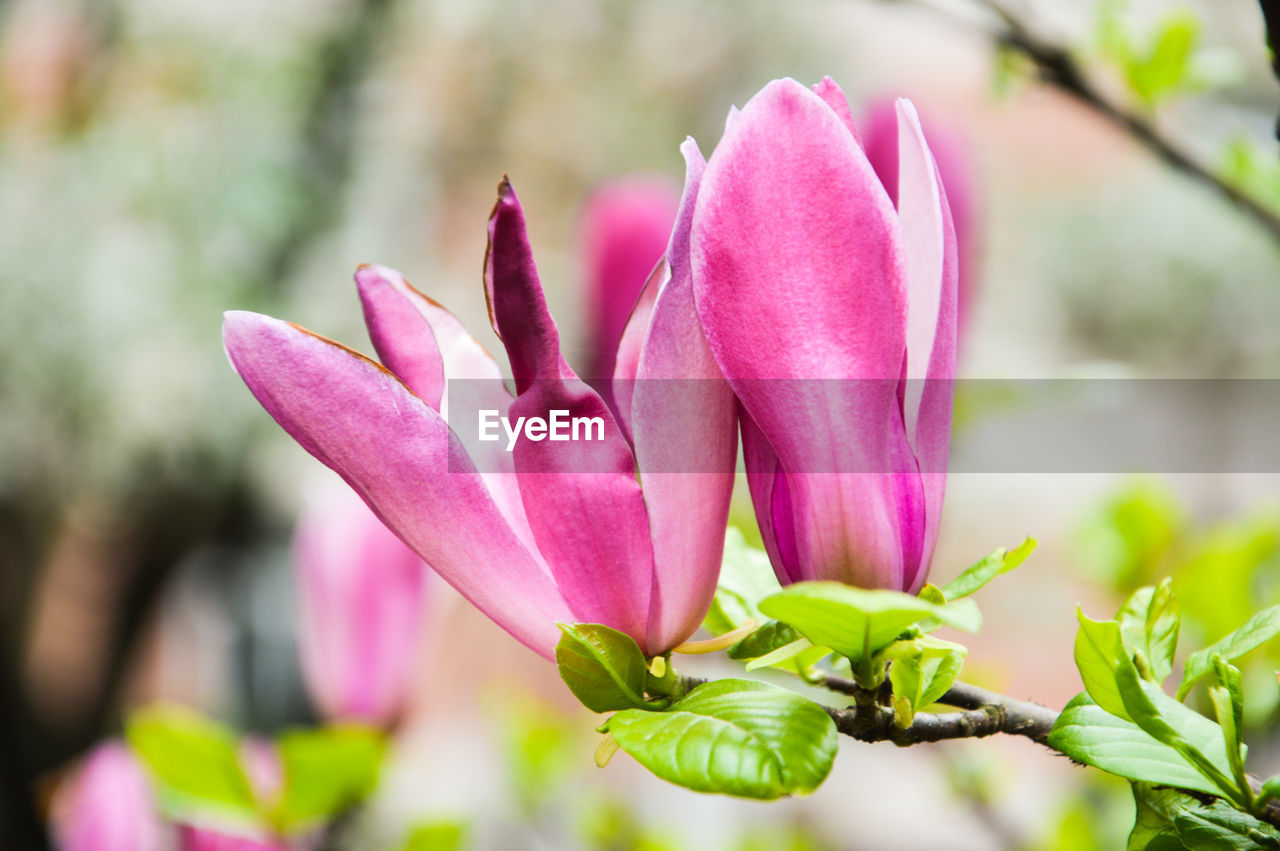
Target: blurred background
x,y
164,160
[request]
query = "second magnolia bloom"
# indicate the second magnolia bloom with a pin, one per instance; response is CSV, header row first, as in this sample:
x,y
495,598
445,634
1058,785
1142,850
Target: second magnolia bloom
x,y
833,314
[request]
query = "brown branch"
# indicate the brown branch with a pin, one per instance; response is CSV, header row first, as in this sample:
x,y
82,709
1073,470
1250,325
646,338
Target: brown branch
x,y
983,714
1055,66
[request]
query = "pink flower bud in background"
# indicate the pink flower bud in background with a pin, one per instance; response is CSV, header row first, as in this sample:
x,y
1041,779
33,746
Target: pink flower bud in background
x,y
192,838
360,601
955,169
109,806
625,227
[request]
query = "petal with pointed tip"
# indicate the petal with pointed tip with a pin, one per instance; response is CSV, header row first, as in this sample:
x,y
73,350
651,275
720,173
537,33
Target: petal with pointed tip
x,y
571,490
831,92
401,457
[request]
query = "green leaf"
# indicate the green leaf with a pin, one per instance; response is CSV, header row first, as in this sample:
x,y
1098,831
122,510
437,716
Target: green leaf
x,y
1099,650
435,836
1087,733
737,737
1155,818
764,640
924,674
1255,632
1149,623
1167,720
1269,792
1169,820
979,574
1228,706
856,622
194,762
782,655
603,668
746,578
326,771
1164,70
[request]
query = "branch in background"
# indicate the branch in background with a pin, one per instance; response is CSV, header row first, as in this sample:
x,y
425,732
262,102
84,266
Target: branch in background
x,y
326,141
1271,16
1055,65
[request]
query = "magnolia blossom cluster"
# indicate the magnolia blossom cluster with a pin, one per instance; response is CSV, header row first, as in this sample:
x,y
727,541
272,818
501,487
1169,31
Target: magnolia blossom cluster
x,y
793,259
801,294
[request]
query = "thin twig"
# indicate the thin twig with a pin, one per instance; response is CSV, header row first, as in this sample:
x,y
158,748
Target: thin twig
x,y
1055,65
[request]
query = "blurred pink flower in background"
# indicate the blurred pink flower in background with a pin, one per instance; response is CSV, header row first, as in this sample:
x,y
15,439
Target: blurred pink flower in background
x,y
545,533
625,226
360,604
955,169
804,272
202,839
109,806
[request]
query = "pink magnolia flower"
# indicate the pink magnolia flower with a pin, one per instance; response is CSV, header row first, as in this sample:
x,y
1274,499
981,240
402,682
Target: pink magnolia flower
x,y
360,599
110,806
880,141
626,224
804,271
527,536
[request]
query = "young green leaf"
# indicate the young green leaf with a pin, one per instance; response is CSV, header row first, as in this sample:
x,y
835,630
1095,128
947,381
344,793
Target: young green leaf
x,y
603,668
1164,70
1099,651
1255,632
1089,734
923,675
746,578
736,737
1269,792
856,622
782,655
1228,705
1149,623
435,836
764,640
326,771
194,763
979,574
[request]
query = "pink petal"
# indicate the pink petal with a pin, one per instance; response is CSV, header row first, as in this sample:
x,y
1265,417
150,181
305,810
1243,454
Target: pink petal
x,y
400,333
628,358
956,171
403,460
773,513
798,274
360,604
584,504
109,806
415,336
830,92
930,248
684,420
